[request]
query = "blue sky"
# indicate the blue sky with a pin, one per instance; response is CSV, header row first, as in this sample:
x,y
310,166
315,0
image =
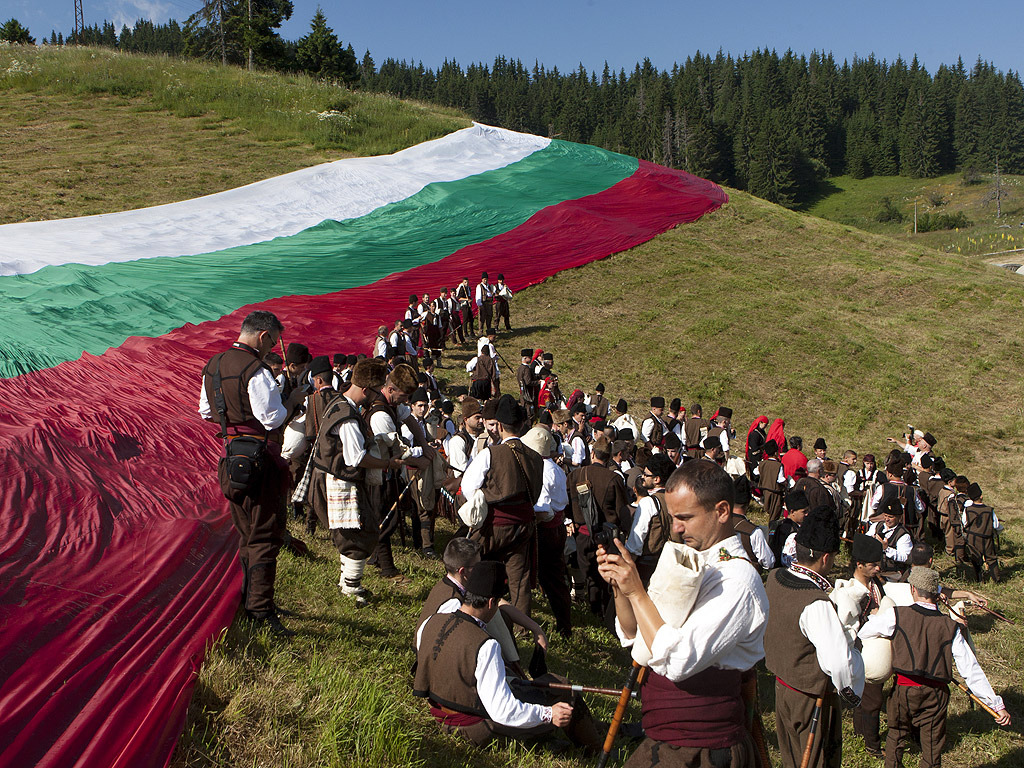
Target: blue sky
x,y
564,33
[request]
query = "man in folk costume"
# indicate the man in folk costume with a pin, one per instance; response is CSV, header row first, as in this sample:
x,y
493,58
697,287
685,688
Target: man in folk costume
x,y
552,575
484,375
347,502
461,672
722,430
622,420
502,295
807,649
510,477
239,392
597,496
296,365
712,449
751,536
459,558
424,480
755,442
846,479
452,310
652,524
888,529
896,487
815,489
695,429
673,448
470,439
674,416
866,567
829,479
772,481
979,535
693,709
484,298
577,438
654,427
783,537
527,382
925,645
464,297
316,405
794,458
597,404
821,449
384,415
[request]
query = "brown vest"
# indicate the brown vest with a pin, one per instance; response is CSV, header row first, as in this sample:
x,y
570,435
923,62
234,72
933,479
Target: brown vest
x,y
446,662
980,530
787,653
442,592
692,432
508,477
316,405
237,367
659,530
657,432
608,491
768,475
922,643
817,494
328,455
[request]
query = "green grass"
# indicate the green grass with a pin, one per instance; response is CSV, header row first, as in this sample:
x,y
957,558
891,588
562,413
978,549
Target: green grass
x,y
844,333
856,202
90,130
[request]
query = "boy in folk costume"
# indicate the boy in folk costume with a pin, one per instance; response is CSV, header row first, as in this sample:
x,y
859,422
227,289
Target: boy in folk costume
x,y
980,525
807,649
925,644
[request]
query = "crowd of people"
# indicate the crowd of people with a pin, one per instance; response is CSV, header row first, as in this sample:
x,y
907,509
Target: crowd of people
x,y
646,524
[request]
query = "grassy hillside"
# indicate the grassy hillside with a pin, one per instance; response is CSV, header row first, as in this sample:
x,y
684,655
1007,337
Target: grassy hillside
x,y
844,333
90,130
857,202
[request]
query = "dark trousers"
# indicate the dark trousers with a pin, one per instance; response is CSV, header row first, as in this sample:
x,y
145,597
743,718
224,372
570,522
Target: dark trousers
x,y
793,714
598,591
468,321
652,753
921,709
486,314
501,313
260,519
514,545
866,717
356,543
455,328
772,502
553,575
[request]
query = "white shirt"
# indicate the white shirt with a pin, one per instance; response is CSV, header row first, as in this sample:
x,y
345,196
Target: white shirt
x,y
503,291
353,444
762,551
820,624
579,449
625,421
264,400
645,510
726,627
458,455
380,348
850,480
901,552
647,428
483,292
492,686
883,624
475,474
789,549
554,494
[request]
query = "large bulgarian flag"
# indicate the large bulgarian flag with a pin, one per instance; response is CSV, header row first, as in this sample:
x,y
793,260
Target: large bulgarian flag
x,y
117,556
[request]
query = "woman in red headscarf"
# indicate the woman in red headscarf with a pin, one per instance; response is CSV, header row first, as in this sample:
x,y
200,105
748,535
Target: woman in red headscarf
x,y
776,433
755,442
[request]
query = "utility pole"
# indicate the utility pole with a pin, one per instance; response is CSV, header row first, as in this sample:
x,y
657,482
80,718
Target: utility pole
x,y
999,192
915,217
79,22
250,35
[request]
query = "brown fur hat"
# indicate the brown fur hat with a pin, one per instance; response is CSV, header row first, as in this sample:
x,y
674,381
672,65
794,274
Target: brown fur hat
x,y
403,378
370,373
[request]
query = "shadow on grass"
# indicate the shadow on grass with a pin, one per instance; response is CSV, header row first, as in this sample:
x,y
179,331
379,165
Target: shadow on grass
x,y
823,189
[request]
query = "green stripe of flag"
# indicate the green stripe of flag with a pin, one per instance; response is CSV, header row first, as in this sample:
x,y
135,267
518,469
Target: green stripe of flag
x,y
55,314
